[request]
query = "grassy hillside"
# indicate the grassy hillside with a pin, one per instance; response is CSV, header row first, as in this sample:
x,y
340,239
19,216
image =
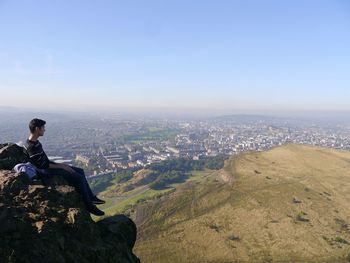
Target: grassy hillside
x,y
125,202
126,190
290,204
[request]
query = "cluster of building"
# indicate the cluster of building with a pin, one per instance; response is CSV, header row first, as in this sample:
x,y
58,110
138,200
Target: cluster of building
x,y
104,145
201,139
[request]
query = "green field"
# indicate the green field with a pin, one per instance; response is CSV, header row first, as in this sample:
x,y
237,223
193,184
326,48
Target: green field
x,y
153,134
120,204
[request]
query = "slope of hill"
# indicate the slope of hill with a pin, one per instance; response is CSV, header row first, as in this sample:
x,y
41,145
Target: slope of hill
x,y
127,189
290,204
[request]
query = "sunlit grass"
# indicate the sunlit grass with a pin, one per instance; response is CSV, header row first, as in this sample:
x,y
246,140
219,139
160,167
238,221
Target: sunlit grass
x,y
112,207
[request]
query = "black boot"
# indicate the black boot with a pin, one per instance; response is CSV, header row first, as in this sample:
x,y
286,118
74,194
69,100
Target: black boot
x,y
95,200
95,211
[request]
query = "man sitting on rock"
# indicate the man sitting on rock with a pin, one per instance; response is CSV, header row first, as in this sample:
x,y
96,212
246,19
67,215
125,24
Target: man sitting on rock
x,y
73,175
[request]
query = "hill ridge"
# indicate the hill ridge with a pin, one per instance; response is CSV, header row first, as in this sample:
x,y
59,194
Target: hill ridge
x,y
287,204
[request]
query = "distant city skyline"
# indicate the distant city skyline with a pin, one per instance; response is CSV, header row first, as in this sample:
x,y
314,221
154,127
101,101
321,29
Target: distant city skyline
x,y
224,56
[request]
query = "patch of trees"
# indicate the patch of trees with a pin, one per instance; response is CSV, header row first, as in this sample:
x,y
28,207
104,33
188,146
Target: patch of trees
x,y
215,163
101,183
123,176
177,170
163,173
187,164
166,178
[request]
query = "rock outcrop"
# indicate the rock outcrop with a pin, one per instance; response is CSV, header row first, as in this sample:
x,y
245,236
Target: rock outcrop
x,y
48,223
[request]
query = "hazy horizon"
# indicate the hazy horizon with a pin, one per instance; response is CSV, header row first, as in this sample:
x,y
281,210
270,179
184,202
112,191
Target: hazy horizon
x,y
198,56
341,116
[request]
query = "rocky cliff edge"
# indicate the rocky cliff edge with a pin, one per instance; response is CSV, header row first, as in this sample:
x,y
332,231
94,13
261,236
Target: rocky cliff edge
x,y
47,222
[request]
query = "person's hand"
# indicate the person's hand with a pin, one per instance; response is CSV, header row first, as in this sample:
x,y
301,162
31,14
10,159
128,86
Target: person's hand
x,y
68,168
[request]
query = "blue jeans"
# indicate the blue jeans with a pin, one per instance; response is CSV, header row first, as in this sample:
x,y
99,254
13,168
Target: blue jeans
x,y
77,179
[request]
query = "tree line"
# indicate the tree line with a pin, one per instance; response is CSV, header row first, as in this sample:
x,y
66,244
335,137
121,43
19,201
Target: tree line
x,y
178,170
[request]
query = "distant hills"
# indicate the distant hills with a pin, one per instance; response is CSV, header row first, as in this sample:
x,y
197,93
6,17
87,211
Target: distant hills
x,y
289,204
296,118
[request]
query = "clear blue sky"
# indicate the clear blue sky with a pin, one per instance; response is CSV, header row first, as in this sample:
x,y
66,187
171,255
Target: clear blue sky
x,y
258,55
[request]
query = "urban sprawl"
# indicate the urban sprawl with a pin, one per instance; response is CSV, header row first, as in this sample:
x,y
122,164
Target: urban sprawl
x,y
108,145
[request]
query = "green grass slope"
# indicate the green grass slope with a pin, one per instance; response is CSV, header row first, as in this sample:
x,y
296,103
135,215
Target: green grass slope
x,y
289,204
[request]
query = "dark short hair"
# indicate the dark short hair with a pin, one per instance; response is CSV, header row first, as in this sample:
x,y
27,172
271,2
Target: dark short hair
x,y
36,123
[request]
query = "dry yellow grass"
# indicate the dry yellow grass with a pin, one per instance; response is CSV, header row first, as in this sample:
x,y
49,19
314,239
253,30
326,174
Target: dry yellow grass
x,y
202,221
